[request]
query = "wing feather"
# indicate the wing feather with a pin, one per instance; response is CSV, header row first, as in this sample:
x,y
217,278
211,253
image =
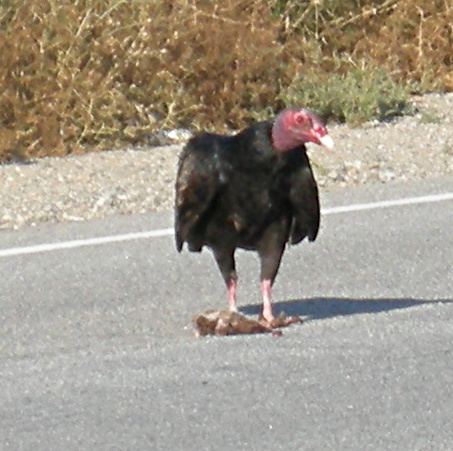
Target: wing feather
x,y
197,183
305,202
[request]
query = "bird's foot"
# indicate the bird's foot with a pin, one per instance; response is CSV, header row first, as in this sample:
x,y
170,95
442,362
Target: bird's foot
x,y
280,321
267,317
266,320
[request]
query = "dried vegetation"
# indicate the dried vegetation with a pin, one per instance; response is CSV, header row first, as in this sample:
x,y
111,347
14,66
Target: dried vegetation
x,y
94,74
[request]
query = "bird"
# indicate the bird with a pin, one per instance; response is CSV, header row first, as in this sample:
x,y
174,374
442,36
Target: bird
x,y
253,190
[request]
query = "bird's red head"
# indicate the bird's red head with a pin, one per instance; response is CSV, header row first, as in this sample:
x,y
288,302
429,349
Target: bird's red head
x,y
296,126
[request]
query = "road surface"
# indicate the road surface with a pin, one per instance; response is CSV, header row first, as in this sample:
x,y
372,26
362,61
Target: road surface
x,y
97,351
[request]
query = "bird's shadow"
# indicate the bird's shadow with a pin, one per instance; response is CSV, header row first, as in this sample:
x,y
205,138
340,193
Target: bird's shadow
x,y
323,307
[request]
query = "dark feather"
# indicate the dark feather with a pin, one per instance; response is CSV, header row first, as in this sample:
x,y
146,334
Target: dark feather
x,y
240,191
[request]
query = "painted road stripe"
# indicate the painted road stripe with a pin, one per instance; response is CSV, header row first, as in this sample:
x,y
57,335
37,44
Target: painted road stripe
x,y
389,203
50,247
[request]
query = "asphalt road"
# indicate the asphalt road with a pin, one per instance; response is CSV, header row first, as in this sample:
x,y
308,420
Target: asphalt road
x,y
97,353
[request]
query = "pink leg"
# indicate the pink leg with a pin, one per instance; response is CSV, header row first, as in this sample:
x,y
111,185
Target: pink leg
x,y
232,286
266,288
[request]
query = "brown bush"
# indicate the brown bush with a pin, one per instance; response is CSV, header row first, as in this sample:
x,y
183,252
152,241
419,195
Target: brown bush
x,y
92,74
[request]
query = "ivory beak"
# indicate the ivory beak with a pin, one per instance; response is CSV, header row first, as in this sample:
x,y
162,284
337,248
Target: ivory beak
x,y
327,142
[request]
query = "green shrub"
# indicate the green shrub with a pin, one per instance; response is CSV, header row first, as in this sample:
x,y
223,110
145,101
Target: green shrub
x,y
359,95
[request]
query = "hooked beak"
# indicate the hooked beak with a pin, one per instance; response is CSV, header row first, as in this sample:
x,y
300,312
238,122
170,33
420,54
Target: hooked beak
x,y
326,141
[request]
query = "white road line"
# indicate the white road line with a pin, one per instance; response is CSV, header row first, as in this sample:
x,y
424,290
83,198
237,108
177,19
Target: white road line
x,y
50,247
389,203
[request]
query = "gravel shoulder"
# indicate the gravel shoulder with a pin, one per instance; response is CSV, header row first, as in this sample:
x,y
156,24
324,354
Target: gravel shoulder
x,y
95,185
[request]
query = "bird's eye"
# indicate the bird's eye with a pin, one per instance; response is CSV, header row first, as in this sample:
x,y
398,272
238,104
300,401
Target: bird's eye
x,y
300,119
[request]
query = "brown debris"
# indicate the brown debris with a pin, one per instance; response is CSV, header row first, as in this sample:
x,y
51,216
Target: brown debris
x,y
225,322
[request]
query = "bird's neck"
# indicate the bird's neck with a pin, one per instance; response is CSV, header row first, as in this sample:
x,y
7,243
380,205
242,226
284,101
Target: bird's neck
x,y
281,139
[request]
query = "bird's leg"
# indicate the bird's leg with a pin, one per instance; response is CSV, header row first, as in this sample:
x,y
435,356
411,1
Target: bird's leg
x,y
225,262
270,257
266,288
232,286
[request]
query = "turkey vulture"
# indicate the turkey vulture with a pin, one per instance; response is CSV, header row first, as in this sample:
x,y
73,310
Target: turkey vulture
x,y
254,190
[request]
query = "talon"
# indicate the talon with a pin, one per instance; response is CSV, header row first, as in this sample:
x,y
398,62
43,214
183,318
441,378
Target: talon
x,y
267,320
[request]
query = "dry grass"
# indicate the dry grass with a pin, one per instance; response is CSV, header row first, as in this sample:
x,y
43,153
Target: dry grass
x,y
92,74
